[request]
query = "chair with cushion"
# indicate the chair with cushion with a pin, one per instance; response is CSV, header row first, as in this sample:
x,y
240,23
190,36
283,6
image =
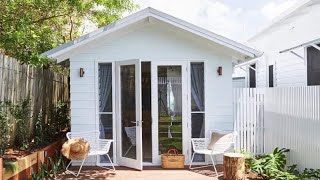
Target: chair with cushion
x,y
98,147
219,143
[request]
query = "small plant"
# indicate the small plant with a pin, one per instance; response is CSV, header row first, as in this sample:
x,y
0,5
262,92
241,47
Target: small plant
x,y
39,138
5,129
50,170
273,166
21,113
61,118
10,166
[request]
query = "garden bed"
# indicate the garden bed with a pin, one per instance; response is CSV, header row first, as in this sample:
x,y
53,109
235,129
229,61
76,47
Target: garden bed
x,y
21,164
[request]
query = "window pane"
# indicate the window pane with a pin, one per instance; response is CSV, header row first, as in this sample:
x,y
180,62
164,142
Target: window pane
x,y
197,87
105,87
170,108
198,131
105,125
128,111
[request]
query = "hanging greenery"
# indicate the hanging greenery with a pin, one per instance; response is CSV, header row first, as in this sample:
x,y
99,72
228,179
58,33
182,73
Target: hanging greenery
x,y
29,28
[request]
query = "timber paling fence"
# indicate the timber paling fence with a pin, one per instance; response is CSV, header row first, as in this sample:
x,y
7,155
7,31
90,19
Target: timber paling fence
x,y
43,87
284,117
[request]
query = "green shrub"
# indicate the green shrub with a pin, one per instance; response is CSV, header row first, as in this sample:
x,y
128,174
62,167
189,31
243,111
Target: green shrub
x,y
273,166
22,115
5,128
50,170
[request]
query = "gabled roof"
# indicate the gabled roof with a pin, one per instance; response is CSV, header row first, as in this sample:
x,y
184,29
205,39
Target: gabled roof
x,y
293,11
150,12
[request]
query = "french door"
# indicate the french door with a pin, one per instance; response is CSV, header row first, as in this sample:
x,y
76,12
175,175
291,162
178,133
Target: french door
x,y
169,108
129,114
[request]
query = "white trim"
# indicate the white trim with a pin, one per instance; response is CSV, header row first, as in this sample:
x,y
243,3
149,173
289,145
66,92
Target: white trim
x,y
309,43
248,63
296,54
145,13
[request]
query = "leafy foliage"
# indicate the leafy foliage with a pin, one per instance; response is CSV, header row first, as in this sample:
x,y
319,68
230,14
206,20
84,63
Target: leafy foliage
x,y
29,28
22,114
46,132
273,166
50,170
10,166
61,116
5,129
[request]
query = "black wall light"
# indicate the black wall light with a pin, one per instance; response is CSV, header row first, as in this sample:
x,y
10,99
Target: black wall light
x,y
81,72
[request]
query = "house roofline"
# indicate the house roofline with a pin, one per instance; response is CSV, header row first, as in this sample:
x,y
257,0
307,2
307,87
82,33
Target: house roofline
x,y
150,12
280,18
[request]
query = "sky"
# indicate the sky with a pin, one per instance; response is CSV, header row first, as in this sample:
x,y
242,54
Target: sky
x,y
235,19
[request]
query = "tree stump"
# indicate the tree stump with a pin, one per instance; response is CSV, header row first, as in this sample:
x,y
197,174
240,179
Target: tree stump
x,y
233,166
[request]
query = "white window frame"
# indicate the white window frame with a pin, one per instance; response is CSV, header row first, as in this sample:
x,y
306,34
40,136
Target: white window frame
x,y
189,105
96,72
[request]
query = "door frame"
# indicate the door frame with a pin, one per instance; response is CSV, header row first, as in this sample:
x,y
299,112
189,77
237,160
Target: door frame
x,y
156,160
138,162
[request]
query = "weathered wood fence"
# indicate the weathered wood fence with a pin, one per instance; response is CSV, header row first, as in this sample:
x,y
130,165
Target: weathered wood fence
x,y
43,87
289,117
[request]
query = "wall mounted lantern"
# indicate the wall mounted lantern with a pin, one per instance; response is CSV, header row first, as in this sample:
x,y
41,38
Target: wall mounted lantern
x,y
219,71
81,72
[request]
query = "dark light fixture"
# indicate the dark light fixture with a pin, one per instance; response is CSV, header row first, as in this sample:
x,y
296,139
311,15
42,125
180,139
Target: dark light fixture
x,y
219,71
81,72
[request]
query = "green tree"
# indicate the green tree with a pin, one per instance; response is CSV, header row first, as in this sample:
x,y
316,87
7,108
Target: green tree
x,y
31,27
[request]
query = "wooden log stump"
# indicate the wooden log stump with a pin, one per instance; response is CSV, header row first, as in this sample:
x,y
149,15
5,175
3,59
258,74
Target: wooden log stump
x,y
233,166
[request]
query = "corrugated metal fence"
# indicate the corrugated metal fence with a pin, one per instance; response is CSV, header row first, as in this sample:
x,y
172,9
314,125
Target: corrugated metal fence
x,y
286,117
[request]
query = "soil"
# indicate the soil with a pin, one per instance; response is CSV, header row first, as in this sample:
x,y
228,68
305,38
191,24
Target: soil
x,y
13,155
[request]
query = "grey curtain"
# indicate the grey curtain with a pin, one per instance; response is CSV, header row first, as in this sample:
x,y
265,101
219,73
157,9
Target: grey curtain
x,y
105,86
197,85
197,93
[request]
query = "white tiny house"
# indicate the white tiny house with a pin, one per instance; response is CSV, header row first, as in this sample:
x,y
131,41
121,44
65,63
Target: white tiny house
x,y
291,50
151,81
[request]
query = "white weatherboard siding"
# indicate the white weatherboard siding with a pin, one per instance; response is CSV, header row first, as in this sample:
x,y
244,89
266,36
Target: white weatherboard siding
x,y
300,27
261,72
150,42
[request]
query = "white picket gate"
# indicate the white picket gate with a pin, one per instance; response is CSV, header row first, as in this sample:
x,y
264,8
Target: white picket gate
x,y
284,117
249,119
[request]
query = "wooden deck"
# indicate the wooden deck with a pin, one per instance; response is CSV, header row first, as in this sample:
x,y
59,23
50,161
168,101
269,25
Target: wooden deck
x,y
152,173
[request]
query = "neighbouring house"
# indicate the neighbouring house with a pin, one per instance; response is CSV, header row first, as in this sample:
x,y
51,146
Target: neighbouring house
x,y
291,51
151,82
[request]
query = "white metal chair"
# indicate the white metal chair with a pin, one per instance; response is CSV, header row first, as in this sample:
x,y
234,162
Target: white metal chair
x,y
200,146
131,133
98,147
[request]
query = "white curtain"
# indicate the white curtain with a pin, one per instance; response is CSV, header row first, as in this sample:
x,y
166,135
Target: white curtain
x,y
105,86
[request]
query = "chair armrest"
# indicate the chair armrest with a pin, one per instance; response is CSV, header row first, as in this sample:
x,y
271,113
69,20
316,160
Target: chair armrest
x,y
104,144
224,143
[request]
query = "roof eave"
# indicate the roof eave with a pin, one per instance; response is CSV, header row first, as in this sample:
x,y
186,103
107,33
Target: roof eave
x,y
150,12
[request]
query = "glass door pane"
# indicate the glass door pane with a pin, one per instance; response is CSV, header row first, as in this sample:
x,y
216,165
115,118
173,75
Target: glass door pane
x,y
128,111
169,108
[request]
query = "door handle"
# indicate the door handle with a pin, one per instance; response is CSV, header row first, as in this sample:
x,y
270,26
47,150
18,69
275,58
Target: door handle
x,y
136,122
